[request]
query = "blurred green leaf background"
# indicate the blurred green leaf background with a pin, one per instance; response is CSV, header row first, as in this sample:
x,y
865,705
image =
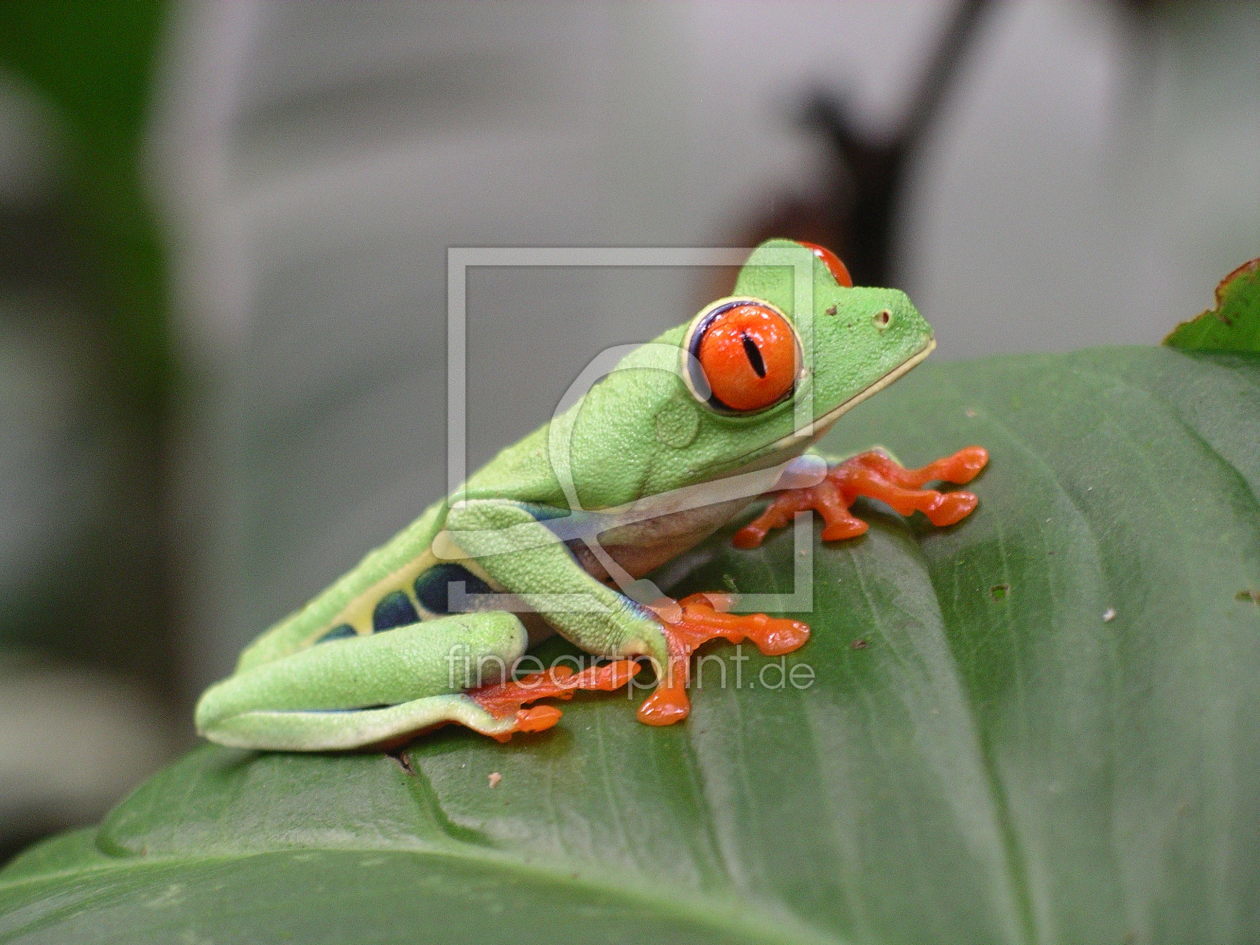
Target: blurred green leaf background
x,y
86,374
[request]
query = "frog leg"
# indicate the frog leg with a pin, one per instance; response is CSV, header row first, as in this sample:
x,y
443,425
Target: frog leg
x,y
875,475
384,687
521,554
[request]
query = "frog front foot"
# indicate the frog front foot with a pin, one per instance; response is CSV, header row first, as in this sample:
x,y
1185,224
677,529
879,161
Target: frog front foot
x,y
877,476
693,621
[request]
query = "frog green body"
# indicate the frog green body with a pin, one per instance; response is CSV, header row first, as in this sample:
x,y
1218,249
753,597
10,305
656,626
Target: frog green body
x,y
555,533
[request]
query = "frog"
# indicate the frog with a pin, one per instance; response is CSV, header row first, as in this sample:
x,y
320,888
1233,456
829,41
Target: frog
x,y
559,533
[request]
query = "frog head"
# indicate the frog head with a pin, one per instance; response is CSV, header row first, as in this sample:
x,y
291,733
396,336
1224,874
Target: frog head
x,y
748,383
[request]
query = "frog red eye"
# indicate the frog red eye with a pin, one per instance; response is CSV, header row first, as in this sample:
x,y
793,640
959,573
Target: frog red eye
x,y
839,271
748,355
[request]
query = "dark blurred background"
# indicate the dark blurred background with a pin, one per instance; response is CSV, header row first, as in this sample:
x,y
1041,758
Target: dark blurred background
x,y
223,236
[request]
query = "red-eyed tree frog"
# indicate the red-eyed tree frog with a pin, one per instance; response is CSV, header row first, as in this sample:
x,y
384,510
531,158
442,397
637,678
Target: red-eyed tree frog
x,y
556,533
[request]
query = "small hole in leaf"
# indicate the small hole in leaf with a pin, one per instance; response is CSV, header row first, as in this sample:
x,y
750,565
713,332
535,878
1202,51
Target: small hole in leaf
x,y
999,591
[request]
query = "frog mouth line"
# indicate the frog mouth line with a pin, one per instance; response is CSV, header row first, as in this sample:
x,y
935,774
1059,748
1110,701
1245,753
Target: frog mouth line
x,y
819,425
895,374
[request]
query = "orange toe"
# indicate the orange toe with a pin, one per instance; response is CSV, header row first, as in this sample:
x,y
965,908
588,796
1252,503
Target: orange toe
x,y
538,718
665,707
951,508
964,465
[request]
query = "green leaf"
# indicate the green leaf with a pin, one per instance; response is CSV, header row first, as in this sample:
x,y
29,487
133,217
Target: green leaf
x,y
1234,325
1040,725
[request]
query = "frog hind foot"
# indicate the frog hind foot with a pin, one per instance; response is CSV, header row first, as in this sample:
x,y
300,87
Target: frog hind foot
x,y
877,476
508,699
692,622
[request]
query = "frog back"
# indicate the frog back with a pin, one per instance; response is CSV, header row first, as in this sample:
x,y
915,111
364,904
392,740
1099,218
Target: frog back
x,y
383,591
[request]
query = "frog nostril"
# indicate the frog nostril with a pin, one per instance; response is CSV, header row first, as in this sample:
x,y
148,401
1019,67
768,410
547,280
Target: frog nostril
x,y
882,319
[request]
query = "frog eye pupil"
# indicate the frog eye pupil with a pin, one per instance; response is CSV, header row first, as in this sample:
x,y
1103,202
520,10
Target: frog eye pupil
x,y
754,355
